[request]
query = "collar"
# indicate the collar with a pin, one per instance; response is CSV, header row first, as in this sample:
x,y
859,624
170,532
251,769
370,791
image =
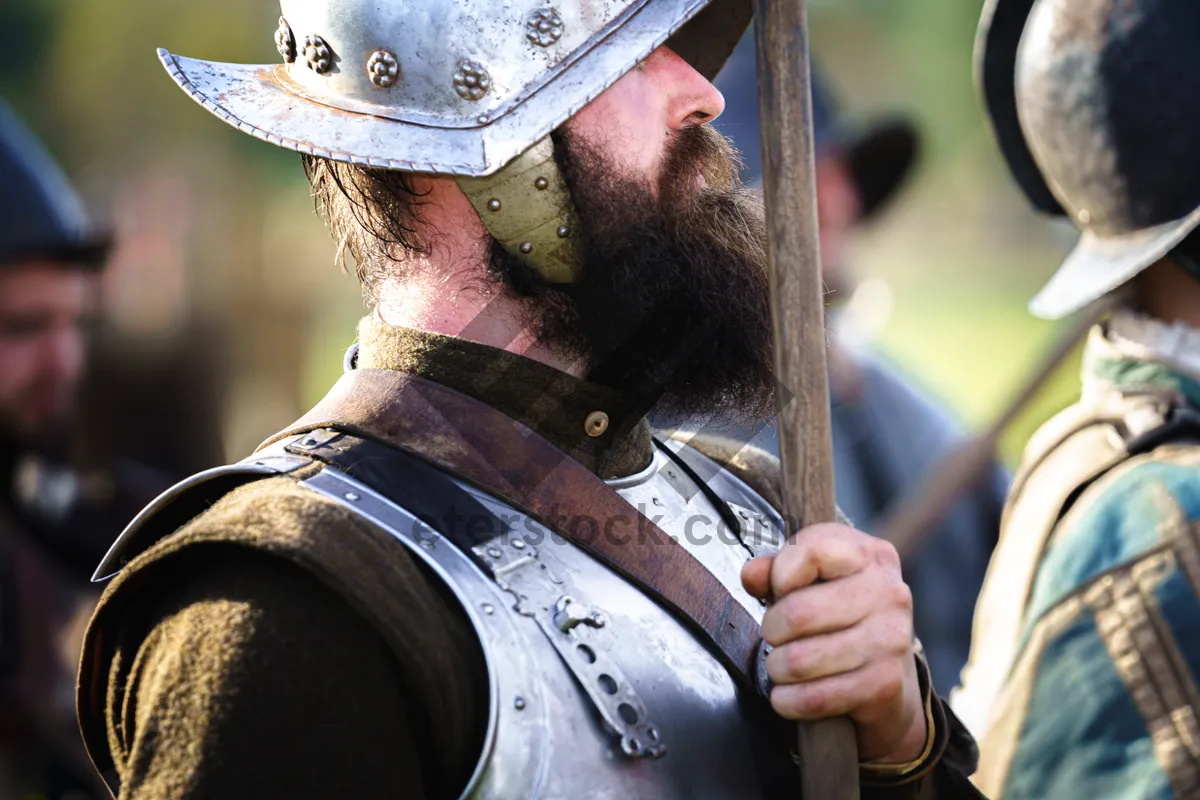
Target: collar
x,y
597,426
1134,353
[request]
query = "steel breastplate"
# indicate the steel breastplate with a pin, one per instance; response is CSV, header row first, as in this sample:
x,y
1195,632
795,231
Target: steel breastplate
x,y
594,690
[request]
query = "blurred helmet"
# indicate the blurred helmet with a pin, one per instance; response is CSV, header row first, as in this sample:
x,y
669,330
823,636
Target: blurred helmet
x,y
468,88
878,156
1096,108
41,216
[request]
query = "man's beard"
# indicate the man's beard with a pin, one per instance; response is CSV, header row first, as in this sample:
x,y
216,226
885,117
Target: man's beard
x,y
673,303
48,434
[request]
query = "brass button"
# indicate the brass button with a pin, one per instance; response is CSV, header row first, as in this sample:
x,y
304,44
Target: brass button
x,y
596,423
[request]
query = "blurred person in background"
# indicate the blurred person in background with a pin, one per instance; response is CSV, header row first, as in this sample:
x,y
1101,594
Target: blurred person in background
x,y
552,241
1084,680
887,431
56,518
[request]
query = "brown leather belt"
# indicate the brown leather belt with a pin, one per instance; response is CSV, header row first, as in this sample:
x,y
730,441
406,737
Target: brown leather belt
x,y
475,442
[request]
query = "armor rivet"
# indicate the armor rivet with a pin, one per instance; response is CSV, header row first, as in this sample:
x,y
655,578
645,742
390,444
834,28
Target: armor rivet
x,y
671,474
309,443
317,54
744,515
563,231
596,423
518,544
285,41
352,497
656,501
1085,216
526,247
484,119
494,552
494,204
471,80
544,27
383,69
489,609
519,704
541,184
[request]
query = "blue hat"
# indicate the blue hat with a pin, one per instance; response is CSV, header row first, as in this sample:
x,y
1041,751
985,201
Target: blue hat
x,y
41,216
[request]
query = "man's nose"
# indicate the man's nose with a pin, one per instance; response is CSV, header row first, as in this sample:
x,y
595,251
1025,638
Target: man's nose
x,y
693,99
62,354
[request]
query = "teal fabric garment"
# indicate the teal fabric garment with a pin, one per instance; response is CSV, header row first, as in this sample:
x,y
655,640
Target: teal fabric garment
x,y
1129,555
1084,737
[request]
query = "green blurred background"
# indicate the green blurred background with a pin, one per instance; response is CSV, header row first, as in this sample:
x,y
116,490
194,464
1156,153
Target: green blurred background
x,y
223,263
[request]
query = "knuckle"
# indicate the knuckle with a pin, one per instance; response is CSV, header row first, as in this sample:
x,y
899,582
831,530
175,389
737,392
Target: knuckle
x,y
899,596
815,702
885,552
889,682
820,549
787,664
898,639
796,614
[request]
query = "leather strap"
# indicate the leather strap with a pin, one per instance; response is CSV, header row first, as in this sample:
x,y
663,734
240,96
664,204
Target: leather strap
x,y
479,444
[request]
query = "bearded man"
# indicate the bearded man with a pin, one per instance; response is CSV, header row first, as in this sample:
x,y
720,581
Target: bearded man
x,y
471,571
57,516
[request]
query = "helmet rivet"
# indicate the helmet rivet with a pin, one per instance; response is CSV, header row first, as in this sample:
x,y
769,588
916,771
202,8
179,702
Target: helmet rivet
x,y
383,69
596,423
526,247
317,54
493,204
563,231
471,80
484,119
544,27
285,41
541,184
1084,216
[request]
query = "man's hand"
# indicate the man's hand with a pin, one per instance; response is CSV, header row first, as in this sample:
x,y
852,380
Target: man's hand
x,y
840,621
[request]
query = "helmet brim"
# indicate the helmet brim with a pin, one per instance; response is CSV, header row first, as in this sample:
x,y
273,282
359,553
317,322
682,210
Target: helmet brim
x,y
1100,264
261,100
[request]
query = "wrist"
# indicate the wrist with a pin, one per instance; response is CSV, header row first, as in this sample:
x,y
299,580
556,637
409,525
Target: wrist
x,y
913,747
920,748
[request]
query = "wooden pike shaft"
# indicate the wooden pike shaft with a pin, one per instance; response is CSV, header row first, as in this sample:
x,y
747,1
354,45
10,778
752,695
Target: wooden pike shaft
x,y
827,751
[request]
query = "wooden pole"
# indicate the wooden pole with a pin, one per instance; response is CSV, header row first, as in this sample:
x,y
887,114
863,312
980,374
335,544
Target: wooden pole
x,y
827,750
910,523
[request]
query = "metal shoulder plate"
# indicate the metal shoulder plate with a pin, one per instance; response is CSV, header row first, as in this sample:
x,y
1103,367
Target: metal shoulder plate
x,y
188,498
594,690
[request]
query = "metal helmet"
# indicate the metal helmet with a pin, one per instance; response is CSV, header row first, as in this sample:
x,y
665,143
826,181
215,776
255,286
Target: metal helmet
x,y
1096,107
878,156
467,88
41,216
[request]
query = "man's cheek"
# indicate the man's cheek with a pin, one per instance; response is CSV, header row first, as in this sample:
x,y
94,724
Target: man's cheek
x,y
18,368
